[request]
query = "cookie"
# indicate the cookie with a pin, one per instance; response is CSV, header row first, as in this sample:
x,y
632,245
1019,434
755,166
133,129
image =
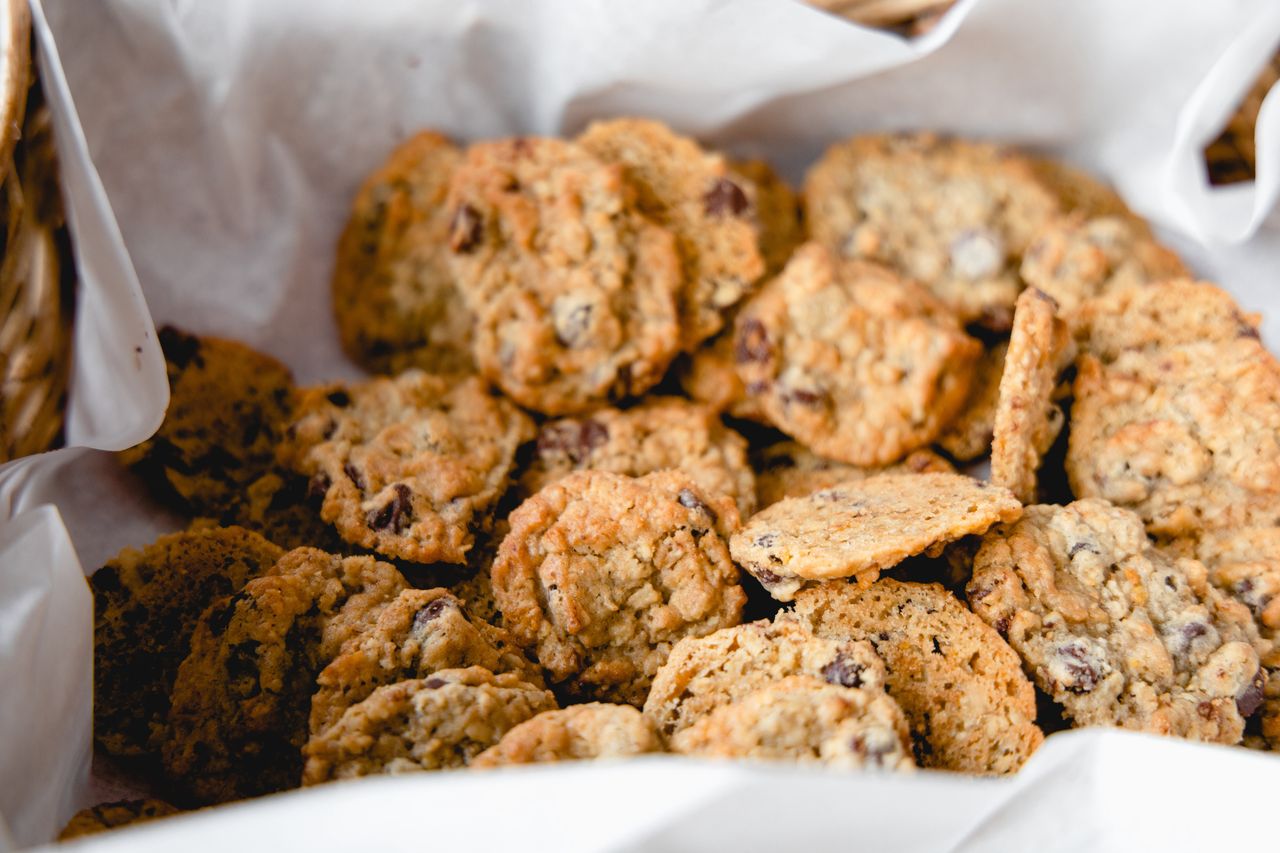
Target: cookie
x,y
1078,259
1082,194
969,706
239,709
602,574
281,506
850,359
411,466
590,731
705,203
432,723
421,632
105,816
706,673
573,288
777,211
954,215
228,406
394,298
710,376
805,720
970,433
1027,420
1116,632
857,528
146,603
660,433
788,469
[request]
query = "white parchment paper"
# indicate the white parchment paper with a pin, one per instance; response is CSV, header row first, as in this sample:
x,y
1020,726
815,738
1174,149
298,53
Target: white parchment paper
x,y
230,137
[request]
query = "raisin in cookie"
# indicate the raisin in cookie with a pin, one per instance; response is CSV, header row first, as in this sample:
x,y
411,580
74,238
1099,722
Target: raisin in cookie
x,y
239,711
788,469
857,528
660,433
1117,632
146,603
393,295
431,723
969,706
970,433
105,816
588,731
411,467
574,290
602,574
698,196
419,633
954,215
851,360
705,673
228,406
805,720
1027,420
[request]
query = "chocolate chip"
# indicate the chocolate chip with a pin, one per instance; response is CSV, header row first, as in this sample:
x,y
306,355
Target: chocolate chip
x,y
353,475
430,613
843,671
318,487
466,229
937,649
433,683
179,348
725,197
339,398
752,343
1251,698
688,499
396,514
575,439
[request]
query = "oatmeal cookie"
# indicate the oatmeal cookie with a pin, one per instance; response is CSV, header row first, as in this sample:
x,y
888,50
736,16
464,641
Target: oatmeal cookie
x,y
710,376
777,211
970,433
969,706
105,816
573,289
591,730
411,467
954,215
788,469
431,723
602,574
857,528
844,356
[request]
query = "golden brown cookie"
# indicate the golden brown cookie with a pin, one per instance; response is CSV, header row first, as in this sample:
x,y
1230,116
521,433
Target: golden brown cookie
x,y
776,209
788,469
594,730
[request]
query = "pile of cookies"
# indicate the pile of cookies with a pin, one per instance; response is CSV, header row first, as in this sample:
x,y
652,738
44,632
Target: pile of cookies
x,y
660,457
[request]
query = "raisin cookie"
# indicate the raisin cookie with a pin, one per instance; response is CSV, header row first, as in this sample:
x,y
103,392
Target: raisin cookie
x,y
431,723
702,201
146,603
589,731
1027,420
805,720
705,673
970,433
573,288
228,406
853,361
857,528
969,706
788,469
602,574
105,816
393,295
776,207
411,467
419,633
1116,632
954,215
238,718
660,433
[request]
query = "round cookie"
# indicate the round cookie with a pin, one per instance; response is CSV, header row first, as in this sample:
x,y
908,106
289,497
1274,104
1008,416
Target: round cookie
x,y
954,215
579,732
146,603
776,208
602,574
227,409
432,723
420,632
969,706
573,289
1116,632
660,433
393,295
788,469
805,720
846,357
238,718
410,467
970,433
706,205
857,528
705,673
105,816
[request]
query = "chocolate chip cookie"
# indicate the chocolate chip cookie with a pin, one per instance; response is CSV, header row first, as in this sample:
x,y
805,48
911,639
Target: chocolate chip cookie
x,y
850,359
788,469
594,730
602,574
